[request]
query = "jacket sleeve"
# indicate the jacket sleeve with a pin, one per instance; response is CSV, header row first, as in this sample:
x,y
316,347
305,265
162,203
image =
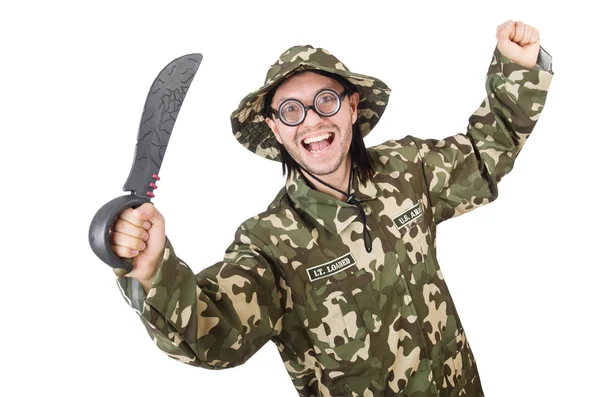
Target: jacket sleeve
x,y
219,317
462,171
301,371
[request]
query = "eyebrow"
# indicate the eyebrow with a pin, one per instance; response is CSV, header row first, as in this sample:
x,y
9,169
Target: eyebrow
x,y
324,87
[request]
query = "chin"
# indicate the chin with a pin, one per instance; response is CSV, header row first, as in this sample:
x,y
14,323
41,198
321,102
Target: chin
x,y
321,168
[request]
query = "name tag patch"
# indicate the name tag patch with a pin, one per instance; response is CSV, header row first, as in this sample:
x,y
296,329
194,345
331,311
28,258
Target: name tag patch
x,y
329,268
410,214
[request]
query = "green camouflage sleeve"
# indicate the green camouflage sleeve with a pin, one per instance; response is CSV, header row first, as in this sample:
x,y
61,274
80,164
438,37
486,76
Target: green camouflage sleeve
x,y
301,372
462,171
217,318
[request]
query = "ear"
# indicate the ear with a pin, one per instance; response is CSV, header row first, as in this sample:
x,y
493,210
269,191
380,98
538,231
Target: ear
x,y
354,99
273,128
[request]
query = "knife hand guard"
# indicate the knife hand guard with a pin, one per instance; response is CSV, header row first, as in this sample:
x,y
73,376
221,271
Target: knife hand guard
x,y
100,228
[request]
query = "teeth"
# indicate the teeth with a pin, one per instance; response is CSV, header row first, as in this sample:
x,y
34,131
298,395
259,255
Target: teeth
x,y
317,138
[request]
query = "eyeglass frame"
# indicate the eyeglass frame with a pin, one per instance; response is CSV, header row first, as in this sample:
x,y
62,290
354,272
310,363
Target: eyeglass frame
x,y
276,113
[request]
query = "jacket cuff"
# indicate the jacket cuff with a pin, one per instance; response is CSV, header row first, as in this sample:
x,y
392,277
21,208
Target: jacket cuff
x,y
518,74
133,292
167,278
544,61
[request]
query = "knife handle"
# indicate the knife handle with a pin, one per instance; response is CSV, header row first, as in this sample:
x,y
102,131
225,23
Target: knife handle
x,y
101,225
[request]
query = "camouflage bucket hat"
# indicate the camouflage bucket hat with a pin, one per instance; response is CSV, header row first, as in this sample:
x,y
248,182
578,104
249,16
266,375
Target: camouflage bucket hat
x,y
248,124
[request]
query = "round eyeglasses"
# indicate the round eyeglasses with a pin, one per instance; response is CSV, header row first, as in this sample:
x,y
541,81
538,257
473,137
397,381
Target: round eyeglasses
x,y
326,103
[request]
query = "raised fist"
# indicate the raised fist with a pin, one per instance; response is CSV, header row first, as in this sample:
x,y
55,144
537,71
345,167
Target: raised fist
x,y
519,42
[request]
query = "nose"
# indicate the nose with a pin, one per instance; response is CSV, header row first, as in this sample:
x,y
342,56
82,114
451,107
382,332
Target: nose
x,y
312,117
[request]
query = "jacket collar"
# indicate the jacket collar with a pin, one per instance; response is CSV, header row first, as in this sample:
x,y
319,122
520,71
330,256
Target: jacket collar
x,y
333,214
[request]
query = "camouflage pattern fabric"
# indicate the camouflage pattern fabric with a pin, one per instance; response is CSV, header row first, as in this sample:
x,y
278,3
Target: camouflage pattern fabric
x,y
248,124
347,322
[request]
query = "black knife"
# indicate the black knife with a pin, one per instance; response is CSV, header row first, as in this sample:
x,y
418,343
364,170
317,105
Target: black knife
x,y
158,118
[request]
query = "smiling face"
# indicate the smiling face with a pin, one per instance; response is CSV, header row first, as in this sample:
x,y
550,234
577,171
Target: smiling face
x,y
319,144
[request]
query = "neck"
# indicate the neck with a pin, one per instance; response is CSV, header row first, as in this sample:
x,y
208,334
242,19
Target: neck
x,y
337,179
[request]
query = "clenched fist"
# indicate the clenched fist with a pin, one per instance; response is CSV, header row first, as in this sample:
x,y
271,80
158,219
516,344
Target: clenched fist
x,y
519,42
140,234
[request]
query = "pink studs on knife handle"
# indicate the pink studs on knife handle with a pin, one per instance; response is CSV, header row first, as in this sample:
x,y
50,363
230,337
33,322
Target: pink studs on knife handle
x,y
153,185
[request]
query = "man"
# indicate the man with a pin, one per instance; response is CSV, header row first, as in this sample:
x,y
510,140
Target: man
x,y
340,271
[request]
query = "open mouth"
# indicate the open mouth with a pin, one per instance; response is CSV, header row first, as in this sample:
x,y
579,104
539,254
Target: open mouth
x,y
319,143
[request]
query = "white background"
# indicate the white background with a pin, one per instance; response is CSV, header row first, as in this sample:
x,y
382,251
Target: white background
x,y
523,271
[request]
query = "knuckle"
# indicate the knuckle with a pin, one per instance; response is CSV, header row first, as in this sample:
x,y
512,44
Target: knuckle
x,y
120,239
127,216
120,225
126,213
121,252
114,237
126,241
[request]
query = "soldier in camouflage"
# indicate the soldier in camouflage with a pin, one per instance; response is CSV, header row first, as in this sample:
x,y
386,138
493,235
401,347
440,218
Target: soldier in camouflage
x,y
340,271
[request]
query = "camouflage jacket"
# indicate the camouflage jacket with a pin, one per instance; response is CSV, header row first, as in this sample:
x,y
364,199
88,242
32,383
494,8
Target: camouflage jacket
x,y
347,322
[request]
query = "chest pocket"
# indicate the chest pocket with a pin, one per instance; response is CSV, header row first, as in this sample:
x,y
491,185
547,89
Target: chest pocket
x,y
413,236
347,309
